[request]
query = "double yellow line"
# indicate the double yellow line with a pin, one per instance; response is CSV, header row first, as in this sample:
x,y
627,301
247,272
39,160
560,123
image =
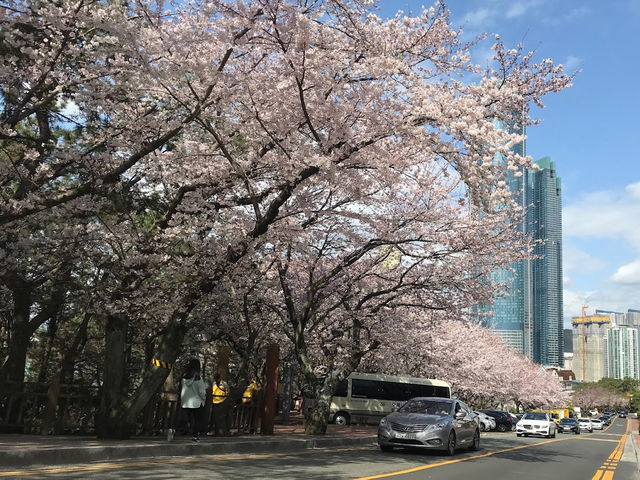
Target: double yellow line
x,y
606,470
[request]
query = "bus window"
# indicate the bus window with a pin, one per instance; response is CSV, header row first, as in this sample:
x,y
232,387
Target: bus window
x,y
430,391
364,388
341,389
392,391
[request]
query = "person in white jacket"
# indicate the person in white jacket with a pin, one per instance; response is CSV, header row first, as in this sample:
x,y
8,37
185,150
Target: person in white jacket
x,y
192,397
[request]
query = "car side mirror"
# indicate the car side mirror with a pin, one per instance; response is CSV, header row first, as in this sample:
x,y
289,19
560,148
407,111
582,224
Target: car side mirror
x,y
460,415
395,406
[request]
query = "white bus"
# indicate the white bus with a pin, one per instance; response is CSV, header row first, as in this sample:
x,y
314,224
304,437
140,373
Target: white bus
x,y
367,397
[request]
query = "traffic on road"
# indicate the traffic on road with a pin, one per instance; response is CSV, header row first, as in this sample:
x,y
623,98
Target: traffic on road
x,y
601,455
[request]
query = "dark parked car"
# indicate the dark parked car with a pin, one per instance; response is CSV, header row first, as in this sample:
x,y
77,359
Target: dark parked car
x,y
568,425
622,414
504,421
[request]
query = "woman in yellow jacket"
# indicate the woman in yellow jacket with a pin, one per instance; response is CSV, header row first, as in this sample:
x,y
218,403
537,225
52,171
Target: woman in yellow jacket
x,y
220,391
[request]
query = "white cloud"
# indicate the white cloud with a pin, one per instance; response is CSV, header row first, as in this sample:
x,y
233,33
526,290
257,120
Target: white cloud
x,y
519,8
628,274
577,261
596,219
478,18
572,63
617,298
577,13
605,215
634,190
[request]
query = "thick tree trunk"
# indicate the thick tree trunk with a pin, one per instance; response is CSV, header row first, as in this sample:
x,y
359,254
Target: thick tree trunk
x,y
56,420
12,369
113,387
118,420
71,354
318,416
287,394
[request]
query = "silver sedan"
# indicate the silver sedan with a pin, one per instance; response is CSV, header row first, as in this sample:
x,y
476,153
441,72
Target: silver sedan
x,y
430,423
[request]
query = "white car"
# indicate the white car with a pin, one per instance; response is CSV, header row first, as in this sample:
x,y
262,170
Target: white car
x,y
585,424
596,424
486,422
536,423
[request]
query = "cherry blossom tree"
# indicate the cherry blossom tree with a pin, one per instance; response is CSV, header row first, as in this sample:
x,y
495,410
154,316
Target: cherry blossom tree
x,y
193,138
471,358
598,397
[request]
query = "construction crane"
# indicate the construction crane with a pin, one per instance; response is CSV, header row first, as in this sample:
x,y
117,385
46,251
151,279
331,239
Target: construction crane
x,y
583,333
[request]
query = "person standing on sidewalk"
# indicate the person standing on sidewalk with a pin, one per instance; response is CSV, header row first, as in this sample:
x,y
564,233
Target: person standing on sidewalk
x,y
192,397
220,392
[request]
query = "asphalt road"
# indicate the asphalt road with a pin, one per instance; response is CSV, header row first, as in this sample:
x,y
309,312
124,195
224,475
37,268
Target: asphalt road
x,y
596,456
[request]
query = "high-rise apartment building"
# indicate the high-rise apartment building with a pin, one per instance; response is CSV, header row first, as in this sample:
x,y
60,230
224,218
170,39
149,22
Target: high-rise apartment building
x,y
621,352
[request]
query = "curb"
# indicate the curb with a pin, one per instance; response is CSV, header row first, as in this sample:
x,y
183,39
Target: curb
x,y
634,442
80,455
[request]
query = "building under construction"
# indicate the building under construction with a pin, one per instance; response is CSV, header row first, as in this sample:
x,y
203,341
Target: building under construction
x,y
589,351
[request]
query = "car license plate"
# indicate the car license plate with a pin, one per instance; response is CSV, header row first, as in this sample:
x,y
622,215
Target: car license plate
x,y
403,435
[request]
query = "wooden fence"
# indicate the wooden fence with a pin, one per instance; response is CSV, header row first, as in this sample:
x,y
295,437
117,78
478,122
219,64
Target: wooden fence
x,y
34,408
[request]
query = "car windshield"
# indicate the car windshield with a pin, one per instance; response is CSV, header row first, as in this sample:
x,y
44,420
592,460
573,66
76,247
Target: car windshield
x,y
584,420
534,416
429,407
567,421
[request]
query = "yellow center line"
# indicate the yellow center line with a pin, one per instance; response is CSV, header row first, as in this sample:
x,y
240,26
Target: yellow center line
x,y
458,460
616,454
608,467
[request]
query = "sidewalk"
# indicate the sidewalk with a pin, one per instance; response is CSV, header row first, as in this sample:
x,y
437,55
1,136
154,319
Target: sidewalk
x,y
634,436
34,450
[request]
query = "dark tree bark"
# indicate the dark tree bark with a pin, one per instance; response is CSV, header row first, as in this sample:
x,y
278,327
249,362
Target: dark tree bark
x,y
119,412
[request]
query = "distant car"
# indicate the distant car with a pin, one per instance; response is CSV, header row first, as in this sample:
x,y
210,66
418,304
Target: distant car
x,y
431,423
622,414
487,423
596,424
593,413
504,421
536,423
585,424
568,425
606,419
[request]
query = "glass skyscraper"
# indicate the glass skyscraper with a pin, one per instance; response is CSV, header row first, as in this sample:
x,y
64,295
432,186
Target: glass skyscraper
x,y
529,319
545,224
511,315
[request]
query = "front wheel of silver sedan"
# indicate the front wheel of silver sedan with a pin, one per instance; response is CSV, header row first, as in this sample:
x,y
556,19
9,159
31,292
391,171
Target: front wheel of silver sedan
x,y
451,444
475,445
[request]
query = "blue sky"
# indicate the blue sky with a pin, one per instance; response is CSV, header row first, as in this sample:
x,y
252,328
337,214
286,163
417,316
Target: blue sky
x,y
591,130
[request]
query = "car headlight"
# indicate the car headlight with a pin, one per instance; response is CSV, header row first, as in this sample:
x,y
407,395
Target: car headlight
x,y
383,422
437,426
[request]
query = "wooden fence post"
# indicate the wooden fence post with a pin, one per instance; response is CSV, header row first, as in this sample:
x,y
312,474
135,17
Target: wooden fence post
x,y
271,390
